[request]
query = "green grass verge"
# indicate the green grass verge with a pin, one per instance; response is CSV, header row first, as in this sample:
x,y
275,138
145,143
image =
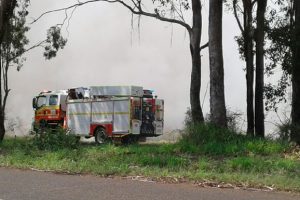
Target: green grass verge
x,y
238,160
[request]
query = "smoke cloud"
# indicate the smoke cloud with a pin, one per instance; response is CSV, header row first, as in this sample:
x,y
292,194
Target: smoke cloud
x,y
103,49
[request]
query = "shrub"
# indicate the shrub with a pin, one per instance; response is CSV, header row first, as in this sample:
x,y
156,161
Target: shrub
x,y
203,133
284,130
54,140
207,138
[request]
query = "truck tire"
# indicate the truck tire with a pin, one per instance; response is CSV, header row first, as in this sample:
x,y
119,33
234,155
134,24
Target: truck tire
x,y
100,135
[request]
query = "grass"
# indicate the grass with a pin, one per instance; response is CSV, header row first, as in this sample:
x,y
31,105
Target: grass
x,y
227,158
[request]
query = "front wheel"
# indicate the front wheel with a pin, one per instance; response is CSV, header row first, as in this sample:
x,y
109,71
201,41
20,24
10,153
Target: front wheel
x,y
100,135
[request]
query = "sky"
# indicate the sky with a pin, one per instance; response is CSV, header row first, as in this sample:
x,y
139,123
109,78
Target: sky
x,y
104,49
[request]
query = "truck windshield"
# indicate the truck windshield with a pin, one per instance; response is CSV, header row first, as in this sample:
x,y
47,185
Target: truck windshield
x,y
53,100
41,101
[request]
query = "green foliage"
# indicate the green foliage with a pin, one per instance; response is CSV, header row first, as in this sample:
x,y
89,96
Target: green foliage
x,y
245,164
211,140
278,48
188,117
206,137
54,41
279,31
171,8
275,94
285,129
54,140
12,48
15,40
260,164
162,162
264,147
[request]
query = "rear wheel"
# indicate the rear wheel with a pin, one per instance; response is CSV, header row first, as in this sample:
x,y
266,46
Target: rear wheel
x,y
100,135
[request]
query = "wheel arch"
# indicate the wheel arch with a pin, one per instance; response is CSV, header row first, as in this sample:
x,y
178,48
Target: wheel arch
x,y
106,127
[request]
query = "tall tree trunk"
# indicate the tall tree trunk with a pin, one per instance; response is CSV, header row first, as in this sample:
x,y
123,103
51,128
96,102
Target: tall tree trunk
x,y
217,97
6,11
248,46
259,79
295,134
2,126
195,39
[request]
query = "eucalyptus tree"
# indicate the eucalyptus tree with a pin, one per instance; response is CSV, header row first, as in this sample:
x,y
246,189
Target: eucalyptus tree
x,y
12,41
170,11
13,46
253,35
295,134
259,75
278,52
245,7
283,33
217,96
6,11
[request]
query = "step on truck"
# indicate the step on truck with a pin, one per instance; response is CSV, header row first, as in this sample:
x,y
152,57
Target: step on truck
x,y
119,113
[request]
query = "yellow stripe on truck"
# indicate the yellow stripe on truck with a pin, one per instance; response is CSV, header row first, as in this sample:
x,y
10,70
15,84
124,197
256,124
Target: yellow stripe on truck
x,y
110,113
48,108
101,113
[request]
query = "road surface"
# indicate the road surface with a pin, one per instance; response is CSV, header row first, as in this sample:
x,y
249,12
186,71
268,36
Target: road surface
x,y
32,185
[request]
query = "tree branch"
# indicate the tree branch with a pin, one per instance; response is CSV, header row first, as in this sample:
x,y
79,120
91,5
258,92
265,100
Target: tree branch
x,y
137,9
236,16
157,16
204,46
26,50
178,11
5,99
63,9
5,86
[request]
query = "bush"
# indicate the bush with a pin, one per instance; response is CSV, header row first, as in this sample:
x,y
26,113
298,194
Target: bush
x,y
207,138
54,140
203,133
212,140
284,130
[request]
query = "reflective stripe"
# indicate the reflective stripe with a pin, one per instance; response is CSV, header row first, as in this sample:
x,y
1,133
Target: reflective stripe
x,y
100,113
54,107
43,115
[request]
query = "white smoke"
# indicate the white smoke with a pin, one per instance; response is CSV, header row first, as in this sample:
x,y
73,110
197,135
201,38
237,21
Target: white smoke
x,y
103,49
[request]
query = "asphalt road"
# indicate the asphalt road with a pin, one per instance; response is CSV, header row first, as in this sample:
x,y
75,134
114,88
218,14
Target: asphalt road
x,y
33,185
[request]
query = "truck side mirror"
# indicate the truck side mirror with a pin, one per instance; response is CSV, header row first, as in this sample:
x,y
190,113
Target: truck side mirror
x,y
34,101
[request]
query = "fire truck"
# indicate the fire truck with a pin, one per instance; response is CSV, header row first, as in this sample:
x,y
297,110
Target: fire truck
x,y
119,113
49,109
124,113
